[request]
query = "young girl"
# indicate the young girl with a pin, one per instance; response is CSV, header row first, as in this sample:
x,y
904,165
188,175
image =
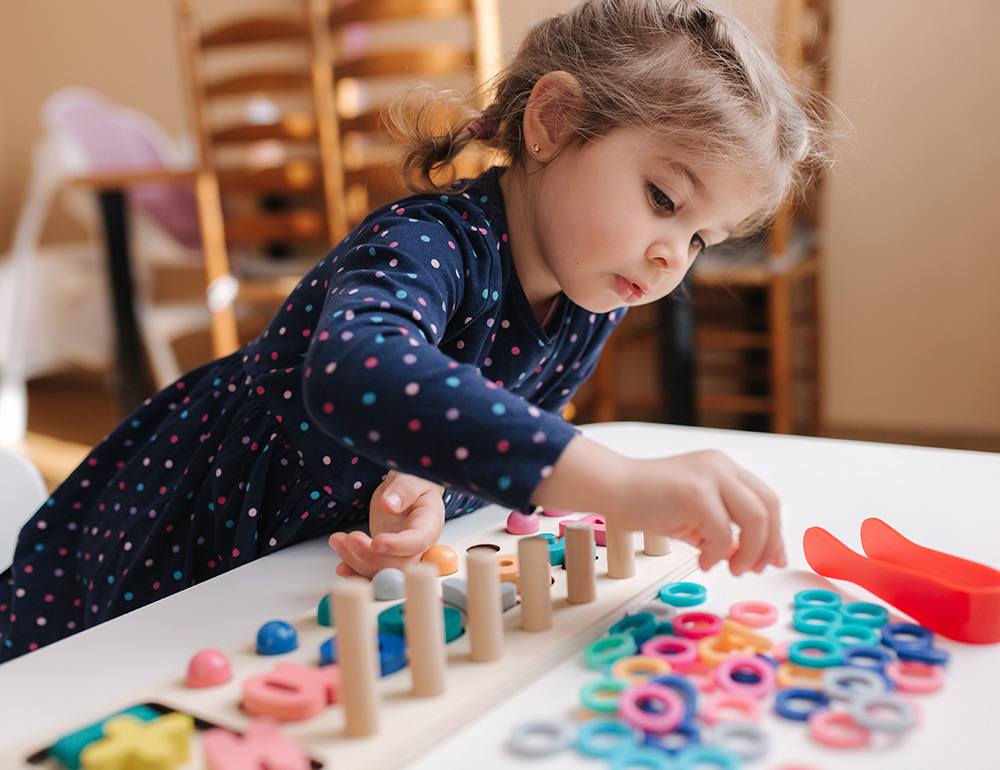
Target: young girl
x,y
420,368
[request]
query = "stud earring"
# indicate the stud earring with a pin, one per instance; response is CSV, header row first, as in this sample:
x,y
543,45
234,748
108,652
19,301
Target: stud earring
x,y
536,148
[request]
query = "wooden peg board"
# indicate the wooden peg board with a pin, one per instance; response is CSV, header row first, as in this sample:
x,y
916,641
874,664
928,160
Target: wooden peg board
x,y
411,726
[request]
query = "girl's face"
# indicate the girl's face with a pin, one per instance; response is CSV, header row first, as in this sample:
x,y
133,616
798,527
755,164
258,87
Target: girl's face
x,y
619,220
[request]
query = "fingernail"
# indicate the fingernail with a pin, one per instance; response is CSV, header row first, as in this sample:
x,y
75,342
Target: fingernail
x,y
394,501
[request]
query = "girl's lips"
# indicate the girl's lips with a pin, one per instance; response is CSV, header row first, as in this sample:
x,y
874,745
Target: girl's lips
x,y
628,291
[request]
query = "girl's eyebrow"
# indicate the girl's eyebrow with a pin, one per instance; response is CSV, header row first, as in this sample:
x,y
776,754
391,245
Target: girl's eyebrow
x,y
685,169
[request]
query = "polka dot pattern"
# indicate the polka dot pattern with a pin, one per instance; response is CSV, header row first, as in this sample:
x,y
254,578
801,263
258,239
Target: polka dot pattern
x,y
410,346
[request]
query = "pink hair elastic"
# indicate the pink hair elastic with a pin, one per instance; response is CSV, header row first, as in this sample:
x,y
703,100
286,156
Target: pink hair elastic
x,y
697,625
837,729
664,720
754,614
720,706
484,127
679,652
911,676
760,668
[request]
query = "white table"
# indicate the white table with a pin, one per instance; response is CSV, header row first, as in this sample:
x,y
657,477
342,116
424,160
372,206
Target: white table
x,y
944,499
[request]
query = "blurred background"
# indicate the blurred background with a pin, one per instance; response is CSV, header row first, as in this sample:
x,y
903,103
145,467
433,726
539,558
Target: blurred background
x,y
901,286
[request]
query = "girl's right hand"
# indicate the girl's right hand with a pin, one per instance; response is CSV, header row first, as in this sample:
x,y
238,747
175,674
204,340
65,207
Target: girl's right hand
x,y
695,497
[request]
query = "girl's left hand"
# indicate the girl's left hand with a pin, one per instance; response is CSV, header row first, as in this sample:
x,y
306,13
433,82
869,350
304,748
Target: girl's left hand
x,y
405,516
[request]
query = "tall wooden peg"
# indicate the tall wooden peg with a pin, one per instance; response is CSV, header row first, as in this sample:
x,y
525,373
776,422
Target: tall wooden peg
x,y
425,630
485,607
581,580
357,655
655,545
535,584
621,552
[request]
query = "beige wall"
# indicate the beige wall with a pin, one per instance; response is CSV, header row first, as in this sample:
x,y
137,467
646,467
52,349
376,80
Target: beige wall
x,y
911,283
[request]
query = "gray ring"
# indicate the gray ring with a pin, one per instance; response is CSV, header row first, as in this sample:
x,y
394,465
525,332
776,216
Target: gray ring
x,y
663,612
840,682
526,738
905,713
744,739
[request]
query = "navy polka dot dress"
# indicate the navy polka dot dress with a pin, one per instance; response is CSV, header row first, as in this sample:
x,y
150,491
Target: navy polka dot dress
x,y
410,346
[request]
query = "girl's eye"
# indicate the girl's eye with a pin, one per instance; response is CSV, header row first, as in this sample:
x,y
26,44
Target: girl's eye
x,y
698,244
661,201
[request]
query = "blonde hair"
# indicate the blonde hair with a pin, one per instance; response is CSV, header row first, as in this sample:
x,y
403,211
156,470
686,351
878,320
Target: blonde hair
x,y
685,69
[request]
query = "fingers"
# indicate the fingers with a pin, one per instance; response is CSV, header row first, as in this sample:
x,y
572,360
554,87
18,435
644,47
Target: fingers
x,y
422,530
755,508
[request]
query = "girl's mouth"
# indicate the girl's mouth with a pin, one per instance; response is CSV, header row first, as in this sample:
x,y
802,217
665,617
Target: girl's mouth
x,y
630,292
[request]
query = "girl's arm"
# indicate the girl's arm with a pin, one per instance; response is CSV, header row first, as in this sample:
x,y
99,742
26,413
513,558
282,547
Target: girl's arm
x,y
693,497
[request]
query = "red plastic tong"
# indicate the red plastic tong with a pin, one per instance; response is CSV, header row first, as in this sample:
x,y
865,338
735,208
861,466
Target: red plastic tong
x,y
954,597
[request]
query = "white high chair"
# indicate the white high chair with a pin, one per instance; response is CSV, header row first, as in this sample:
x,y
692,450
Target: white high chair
x,y
86,133
22,491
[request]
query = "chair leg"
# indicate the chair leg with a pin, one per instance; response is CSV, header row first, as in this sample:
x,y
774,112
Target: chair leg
x,y
780,321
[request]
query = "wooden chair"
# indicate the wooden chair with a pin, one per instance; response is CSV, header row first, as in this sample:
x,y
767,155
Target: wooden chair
x,y
381,49
755,304
268,188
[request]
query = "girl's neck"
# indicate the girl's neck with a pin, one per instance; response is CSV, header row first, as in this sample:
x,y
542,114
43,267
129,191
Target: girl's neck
x,y
537,281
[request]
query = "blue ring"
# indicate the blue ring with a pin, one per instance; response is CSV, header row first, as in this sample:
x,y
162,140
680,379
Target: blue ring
x,y
683,594
908,636
784,696
615,728
817,597
688,732
879,655
930,655
683,687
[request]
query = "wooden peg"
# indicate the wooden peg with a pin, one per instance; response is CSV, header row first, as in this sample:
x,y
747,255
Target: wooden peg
x,y
655,545
357,655
425,630
581,580
536,582
621,552
485,608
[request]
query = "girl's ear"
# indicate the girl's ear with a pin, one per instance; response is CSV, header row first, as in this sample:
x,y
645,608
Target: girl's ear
x,y
549,116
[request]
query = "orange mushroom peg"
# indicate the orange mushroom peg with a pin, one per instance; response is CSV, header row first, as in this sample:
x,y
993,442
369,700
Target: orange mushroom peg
x,y
442,557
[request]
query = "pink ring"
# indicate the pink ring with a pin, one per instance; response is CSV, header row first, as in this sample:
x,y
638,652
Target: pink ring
x,y
703,675
912,676
681,653
763,670
754,614
697,625
715,706
657,722
837,729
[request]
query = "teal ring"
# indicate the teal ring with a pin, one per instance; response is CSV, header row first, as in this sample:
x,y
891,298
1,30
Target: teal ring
x,y
865,614
831,653
817,597
642,626
683,594
602,652
641,756
697,756
816,621
392,621
591,699
615,735
853,634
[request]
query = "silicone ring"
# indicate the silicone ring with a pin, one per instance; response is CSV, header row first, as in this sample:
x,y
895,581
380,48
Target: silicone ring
x,y
887,713
667,717
747,741
765,675
702,675
837,729
604,737
601,695
816,621
754,614
817,597
639,669
930,655
712,650
683,594
719,707
683,687
679,652
393,621
785,699
853,634
816,653
602,652
879,657
641,756
641,625
865,614
849,682
906,635
698,756
697,625
541,738
793,675
687,734
910,676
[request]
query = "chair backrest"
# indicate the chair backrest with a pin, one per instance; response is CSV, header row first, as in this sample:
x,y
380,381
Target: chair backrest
x,y
22,491
94,134
381,48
